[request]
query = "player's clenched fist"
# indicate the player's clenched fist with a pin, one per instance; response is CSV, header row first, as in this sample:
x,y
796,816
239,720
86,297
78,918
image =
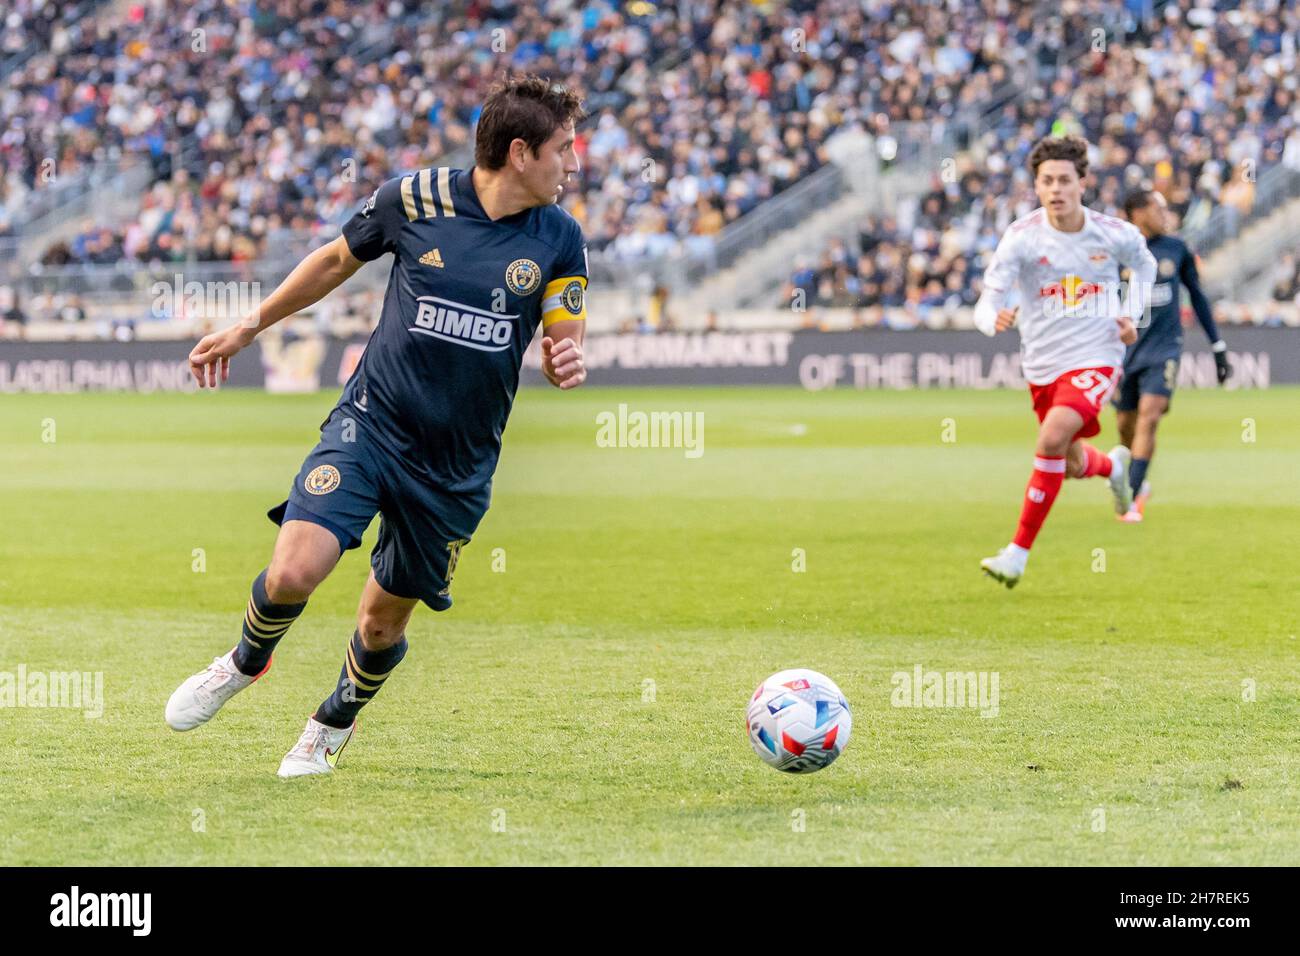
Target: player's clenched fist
x,y
562,363
1128,333
210,360
1006,319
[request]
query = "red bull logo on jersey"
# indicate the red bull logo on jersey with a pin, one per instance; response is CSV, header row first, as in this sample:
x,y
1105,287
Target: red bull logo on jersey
x,y
1071,290
463,324
1077,297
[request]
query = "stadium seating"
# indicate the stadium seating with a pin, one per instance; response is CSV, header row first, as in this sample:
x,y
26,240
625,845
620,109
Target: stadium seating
x,y
738,108
1196,104
264,127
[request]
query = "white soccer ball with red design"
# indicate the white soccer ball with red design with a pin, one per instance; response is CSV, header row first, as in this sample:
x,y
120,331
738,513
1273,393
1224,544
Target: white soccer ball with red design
x,y
798,721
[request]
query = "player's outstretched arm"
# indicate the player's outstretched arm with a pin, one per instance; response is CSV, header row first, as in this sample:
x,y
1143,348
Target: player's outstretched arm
x,y
562,361
1191,279
319,274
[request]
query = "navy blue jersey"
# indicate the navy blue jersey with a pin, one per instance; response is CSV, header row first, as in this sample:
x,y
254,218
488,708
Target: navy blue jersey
x,y
1162,339
464,298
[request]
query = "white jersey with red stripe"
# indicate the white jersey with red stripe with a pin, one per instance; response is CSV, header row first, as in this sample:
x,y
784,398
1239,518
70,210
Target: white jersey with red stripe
x,y
1070,292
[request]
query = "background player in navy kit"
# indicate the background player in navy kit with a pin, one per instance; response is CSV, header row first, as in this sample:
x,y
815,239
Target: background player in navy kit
x,y
481,258
1151,365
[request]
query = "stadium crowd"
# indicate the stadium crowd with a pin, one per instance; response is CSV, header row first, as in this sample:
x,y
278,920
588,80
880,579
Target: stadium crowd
x,y
265,124
256,126
1195,104
260,119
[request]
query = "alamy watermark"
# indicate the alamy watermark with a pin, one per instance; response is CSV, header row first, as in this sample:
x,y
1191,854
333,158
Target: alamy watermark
x,y
130,910
1078,298
73,690
921,688
204,300
624,429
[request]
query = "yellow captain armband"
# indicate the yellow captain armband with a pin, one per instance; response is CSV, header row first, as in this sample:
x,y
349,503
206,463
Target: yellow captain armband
x,y
564,300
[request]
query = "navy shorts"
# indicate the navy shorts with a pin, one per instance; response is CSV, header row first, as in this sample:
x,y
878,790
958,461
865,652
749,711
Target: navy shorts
x,y
343,484
1156,378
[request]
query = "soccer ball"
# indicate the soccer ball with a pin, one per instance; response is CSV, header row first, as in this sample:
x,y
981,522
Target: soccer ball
x,y
798,721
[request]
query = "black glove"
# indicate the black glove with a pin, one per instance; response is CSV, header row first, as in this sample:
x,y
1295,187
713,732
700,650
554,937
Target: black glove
x,y
1221,367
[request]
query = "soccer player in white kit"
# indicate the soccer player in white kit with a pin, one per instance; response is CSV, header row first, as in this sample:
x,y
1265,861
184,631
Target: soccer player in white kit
x,y
1075,319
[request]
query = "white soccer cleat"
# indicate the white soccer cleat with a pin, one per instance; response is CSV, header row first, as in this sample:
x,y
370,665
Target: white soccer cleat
x,y
1119,461
1007,566
317,750
199,698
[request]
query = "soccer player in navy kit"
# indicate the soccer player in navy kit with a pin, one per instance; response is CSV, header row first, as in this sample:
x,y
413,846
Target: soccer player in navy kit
x,y
481,257
1151,365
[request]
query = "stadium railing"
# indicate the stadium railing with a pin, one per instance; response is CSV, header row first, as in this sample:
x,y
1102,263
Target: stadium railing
x,y
911,146
80,197
66,188
71,14
350,312
1274,187
691,261
128,282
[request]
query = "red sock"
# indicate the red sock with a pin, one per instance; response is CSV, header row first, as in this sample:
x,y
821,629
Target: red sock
x,y
1044,483
1096,464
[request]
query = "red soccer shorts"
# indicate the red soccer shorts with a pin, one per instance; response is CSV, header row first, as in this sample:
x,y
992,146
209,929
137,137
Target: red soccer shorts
x,y
1084,389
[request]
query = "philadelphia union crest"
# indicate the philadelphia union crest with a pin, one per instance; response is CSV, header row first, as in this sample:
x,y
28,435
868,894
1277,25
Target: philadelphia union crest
x,y
523,276
572,297
321,480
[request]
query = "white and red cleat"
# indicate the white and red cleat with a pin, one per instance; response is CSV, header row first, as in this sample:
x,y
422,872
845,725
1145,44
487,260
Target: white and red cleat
x,y
201,695
317,750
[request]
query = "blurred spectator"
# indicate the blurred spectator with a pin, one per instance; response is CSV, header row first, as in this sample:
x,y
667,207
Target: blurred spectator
x,y
72,310
1286,279
13,320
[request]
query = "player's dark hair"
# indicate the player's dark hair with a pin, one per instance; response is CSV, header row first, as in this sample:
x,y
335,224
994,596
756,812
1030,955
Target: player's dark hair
x,y
523,107
1072,148
1137,199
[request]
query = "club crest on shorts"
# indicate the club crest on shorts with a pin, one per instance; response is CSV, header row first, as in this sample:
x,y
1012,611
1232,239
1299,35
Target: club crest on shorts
x,y
321,480
523,276
572,297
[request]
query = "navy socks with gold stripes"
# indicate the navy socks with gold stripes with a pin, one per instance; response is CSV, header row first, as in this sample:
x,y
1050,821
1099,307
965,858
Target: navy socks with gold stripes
x,y
264,624
364,672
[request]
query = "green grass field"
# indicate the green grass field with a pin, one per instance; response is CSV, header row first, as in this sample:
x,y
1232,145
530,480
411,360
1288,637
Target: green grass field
x,y
519,728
